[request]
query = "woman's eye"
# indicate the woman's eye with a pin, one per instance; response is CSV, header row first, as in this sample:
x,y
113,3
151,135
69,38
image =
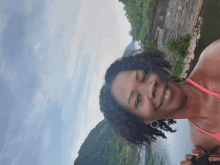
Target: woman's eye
x,y
144,78
137,101
155,89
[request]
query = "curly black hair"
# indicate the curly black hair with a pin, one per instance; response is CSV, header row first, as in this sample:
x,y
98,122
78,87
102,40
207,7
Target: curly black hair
x,y
128,127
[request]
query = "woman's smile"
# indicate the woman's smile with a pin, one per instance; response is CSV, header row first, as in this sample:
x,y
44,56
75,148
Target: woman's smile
x,y
163,96
166,96
147,95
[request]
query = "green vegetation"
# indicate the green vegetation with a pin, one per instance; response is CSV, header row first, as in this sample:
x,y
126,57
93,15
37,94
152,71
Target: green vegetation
x,y
193,31
131,156
138,13
178,69
102,147
122,153
151,158
152,43
179,49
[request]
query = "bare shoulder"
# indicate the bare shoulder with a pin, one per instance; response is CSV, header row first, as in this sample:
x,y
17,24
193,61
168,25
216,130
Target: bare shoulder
x,y
199,138
209,62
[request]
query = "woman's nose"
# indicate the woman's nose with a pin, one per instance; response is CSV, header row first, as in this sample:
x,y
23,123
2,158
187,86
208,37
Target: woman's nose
x,y
147,89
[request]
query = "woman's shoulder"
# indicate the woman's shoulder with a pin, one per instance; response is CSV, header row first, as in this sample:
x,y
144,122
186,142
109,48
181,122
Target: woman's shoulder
x,y
199,138
207,70
209,61
207,74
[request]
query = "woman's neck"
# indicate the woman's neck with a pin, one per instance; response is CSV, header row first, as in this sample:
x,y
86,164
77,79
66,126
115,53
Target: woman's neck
x,y
193,102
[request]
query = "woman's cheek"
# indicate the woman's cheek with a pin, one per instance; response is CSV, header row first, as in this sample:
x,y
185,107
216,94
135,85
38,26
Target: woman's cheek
x,y
148,110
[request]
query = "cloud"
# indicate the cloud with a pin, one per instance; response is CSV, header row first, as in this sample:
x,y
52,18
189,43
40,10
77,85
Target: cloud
x,y
13,37
77,59
10,75
7,102
2,68
58,16
38,50
47,136
80,138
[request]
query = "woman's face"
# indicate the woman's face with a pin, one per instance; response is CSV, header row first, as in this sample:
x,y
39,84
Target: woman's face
x,y
151,96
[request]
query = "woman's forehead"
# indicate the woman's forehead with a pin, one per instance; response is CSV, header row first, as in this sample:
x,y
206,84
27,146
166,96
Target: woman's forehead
x,y
122,86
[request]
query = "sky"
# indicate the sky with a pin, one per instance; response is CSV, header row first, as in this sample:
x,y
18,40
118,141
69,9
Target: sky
x,y
53,58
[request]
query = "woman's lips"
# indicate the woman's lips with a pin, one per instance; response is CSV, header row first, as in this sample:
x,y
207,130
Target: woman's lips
x,y
164,94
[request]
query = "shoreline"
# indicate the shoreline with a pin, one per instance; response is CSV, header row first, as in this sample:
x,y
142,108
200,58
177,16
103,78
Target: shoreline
x,y
191,49
196,24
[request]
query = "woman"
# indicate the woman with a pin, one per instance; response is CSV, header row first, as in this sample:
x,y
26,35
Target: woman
x,y
139,92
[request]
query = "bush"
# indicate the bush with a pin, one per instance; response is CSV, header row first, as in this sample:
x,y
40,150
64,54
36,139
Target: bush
x,y
123,153
152,43
138,14
179,48
178,69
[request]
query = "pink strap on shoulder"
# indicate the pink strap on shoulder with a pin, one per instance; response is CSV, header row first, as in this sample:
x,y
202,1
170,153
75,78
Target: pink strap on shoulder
x,y
201,129
203,89
217,135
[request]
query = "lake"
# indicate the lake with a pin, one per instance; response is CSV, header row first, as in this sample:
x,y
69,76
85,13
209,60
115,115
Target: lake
x,y
173,149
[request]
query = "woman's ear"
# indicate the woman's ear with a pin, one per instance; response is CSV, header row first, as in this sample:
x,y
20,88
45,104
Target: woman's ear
x,y
147,122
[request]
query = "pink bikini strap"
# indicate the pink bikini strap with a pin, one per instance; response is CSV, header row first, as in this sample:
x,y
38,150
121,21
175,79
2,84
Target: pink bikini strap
x,y
203,89
201,129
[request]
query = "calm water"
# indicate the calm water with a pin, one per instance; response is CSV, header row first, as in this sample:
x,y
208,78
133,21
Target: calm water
x,y
173,149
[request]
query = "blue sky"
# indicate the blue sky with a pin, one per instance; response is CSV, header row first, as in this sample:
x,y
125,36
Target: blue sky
x,y
53,57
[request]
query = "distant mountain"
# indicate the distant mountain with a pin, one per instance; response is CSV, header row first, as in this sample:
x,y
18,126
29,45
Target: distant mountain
x,y
130,49
99,147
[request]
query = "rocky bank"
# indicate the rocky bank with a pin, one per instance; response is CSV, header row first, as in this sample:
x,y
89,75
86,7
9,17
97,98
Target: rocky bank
x,y
171,19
